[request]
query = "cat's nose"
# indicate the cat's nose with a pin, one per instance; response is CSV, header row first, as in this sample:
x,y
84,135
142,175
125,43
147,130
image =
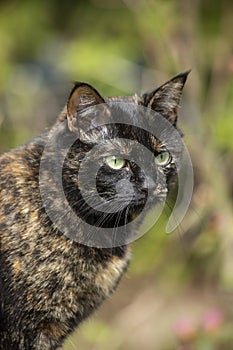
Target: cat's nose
x,y
148,183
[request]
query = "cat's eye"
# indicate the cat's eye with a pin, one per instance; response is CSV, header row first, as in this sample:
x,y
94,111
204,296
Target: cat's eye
x,y
163,158
115,163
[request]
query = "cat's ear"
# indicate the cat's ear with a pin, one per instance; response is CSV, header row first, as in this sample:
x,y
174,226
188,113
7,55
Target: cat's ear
x,y
166,99
81,97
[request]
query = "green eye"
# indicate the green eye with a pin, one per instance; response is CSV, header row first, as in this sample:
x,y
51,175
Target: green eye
x,y
163,158
115,163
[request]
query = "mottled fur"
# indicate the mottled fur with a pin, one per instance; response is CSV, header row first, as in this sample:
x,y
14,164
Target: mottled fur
x,y
48,282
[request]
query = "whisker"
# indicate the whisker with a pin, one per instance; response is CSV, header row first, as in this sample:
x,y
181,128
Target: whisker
x,y
115,227
179,228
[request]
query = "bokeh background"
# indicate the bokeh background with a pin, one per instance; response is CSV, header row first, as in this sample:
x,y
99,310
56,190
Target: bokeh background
x,y
178,292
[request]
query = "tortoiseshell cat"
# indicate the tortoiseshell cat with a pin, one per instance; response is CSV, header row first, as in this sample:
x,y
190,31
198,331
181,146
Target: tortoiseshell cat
x,y
49,283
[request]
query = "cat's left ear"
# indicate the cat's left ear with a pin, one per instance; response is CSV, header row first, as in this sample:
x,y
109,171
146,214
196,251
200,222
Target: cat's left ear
x,y
81,98
166,99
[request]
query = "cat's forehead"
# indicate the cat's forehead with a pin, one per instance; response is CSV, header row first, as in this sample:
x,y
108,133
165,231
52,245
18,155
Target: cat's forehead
x,y
126,99
130,111
139,118
127,106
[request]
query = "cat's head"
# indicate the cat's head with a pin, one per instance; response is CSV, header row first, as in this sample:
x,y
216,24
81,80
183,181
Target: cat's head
x,y
125,149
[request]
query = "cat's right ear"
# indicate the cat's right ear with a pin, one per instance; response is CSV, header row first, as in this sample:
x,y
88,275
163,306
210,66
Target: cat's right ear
x,y
82,97
166,98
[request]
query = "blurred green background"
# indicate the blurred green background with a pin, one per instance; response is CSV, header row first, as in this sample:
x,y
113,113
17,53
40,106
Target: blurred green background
x,y
178,292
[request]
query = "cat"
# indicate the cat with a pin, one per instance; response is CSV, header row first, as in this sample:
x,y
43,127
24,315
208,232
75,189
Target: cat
x,y
51,279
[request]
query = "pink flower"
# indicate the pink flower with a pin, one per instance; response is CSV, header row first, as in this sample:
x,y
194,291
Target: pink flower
x,y
212,320
185,329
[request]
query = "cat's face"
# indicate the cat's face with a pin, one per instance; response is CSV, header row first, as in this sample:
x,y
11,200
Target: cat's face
x,y
115,162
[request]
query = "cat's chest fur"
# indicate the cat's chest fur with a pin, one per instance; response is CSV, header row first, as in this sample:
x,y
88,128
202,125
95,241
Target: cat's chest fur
x,y
54,281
